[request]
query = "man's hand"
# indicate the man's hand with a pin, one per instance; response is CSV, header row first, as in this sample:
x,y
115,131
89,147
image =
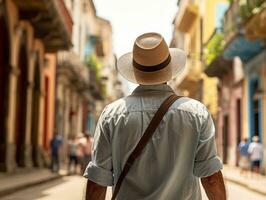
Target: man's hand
x,y
95,191
214,186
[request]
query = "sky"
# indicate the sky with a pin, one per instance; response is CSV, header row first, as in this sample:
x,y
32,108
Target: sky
x,y
130,18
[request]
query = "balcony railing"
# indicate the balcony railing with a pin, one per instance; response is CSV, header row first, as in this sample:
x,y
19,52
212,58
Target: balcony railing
x,y
255,25
236,44
249,7
232,24
239,13
69,58
80,76
64,15
69,61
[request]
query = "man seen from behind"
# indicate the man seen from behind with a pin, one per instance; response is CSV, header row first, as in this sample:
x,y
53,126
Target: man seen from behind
x,y
181,150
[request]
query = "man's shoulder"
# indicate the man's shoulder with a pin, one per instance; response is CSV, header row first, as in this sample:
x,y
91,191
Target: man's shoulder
x,y
117,106
193,106
186,104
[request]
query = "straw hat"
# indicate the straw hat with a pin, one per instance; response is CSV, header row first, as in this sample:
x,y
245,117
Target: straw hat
x,y
151,61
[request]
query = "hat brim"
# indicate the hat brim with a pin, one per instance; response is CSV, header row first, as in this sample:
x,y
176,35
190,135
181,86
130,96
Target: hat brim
x,y
174,68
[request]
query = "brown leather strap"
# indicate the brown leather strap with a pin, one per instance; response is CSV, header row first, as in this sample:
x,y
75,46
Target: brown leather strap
x,y
144,140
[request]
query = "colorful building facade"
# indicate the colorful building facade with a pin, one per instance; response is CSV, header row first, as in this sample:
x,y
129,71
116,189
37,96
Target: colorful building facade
x,y
239,63
84,73
27,78
193,26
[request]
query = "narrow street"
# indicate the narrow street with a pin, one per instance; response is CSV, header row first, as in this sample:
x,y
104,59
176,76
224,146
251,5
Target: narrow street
x,y
73,188
80,80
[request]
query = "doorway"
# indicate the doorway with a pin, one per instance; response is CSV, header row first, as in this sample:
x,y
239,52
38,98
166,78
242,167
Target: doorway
x,y
21,104
46,114
256,112
238,127
225,139
4,79
35,111
255,109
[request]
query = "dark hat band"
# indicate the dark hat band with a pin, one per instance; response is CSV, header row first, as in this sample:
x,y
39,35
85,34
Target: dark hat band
x,y
152,68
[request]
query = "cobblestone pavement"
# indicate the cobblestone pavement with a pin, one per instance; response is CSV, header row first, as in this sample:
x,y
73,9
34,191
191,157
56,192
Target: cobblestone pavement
x,y
73,188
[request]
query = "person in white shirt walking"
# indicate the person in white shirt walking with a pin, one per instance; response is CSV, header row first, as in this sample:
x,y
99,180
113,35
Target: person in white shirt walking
x,y
255,151
153,144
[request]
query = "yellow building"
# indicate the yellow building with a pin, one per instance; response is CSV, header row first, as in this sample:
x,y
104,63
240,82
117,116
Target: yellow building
x,y
193,26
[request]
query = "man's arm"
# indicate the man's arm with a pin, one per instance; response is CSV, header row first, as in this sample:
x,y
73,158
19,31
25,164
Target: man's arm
x,y
95,191
214,186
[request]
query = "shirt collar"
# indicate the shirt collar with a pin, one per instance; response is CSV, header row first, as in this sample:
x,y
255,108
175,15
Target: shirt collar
x,y
153,88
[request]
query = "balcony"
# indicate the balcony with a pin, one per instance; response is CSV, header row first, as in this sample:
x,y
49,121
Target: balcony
x,y
232,24
70,61
73,70
249,8
255,25
236,44
79,75
51,21
189,79
216,65
187,15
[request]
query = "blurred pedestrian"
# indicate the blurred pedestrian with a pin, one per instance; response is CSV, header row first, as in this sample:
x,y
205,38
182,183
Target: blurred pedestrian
x,y
149,162
244,163
255,151
72,154
55,145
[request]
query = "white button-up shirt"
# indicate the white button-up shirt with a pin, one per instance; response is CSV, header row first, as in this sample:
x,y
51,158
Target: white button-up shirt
x,y
181,150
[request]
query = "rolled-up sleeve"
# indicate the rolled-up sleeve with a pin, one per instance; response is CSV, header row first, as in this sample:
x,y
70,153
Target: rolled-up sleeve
x,y
206,160
99,170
